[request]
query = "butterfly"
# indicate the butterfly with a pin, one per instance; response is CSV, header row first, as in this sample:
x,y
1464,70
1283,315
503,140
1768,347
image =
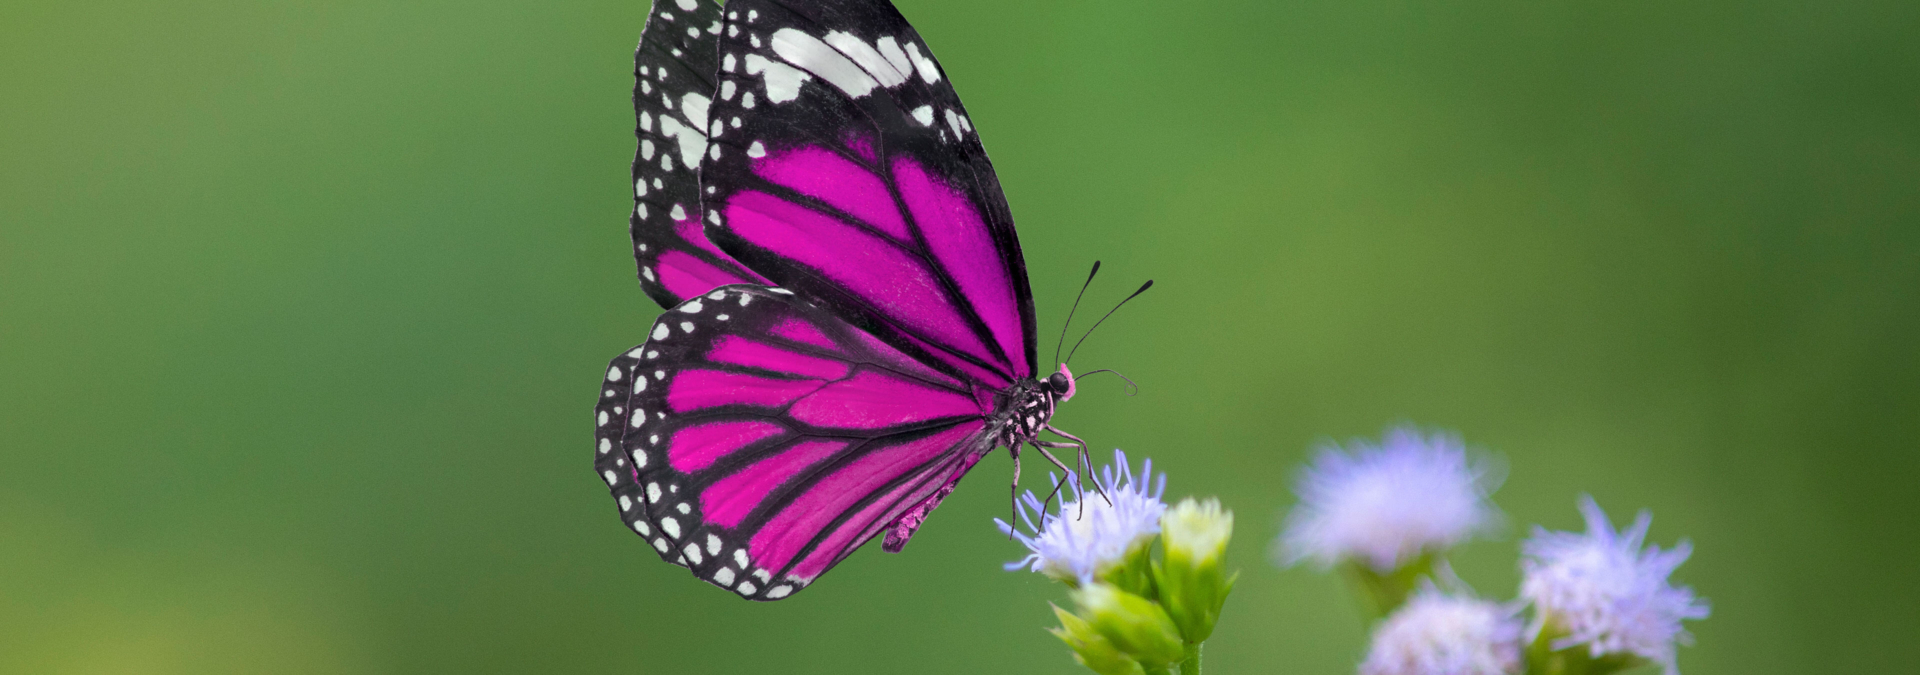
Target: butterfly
x,y
849,327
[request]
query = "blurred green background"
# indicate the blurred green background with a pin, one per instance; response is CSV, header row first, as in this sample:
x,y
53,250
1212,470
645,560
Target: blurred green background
x,y
303,306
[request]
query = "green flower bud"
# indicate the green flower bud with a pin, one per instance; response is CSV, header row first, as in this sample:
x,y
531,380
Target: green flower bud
x,y
1192,584
1092,649
1136,625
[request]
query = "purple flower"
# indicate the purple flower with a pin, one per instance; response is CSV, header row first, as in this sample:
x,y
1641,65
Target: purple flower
x,y
1438,633
1089,536
1386,504
1601,589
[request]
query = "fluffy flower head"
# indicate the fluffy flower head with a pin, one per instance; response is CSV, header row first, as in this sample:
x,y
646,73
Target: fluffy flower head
x,y
1088,536
1385,504
1604,591
1441,634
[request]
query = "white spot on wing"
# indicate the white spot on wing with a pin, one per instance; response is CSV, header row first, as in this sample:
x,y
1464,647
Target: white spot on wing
x,y
757,150
724,576
693,553
923,115
670,526
693,307
679,212
782,81
779,591
928,71
660,332
693,144
687,5
867,58
809,53
713,544
953,122
726,89
890,49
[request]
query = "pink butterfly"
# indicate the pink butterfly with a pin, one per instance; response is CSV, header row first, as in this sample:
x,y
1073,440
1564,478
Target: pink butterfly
x,y
849,328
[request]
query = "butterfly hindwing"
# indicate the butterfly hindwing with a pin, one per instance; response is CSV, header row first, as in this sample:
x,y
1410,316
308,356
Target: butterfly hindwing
x,y
764,439
843,166
673,86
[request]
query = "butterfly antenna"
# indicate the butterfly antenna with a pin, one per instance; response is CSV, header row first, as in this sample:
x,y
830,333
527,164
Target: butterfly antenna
x,y
1132,388
1076,305
1103,319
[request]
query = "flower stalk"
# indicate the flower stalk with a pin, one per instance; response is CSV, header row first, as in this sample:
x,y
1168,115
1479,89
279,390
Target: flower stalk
x,y
1382,593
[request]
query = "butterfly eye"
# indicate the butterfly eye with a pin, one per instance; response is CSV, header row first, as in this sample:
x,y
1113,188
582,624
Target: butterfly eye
x,y
1058,383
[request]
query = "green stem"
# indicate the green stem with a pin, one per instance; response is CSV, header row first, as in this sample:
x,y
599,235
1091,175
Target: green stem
x,y
1190,663
1382,593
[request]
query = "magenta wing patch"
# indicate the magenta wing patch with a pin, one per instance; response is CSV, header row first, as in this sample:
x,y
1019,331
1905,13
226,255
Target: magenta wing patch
x,y
842,166
757,439
673,73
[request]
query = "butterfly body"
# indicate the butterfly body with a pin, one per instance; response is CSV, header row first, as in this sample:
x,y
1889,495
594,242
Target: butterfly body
x,y
849,328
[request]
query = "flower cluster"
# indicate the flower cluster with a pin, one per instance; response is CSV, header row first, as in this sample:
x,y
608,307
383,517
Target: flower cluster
x,y
1087,538
1387,513
1137,615
1383,511
1385,504
1439,632
1600,591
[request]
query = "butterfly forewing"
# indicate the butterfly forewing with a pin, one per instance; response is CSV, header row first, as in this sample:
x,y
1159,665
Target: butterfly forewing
x,y
763,439
843,166
672,90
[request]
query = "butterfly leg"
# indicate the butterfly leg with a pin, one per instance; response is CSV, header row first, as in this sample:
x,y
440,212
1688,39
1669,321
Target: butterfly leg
x,y
1043,445
1076,440
1070,473
1014,449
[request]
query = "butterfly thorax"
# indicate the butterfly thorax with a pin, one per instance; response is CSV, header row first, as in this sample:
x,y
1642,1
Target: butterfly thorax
x,y
1021,411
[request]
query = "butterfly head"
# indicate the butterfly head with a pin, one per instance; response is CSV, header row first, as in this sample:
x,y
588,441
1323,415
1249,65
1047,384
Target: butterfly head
x,y
1060,384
